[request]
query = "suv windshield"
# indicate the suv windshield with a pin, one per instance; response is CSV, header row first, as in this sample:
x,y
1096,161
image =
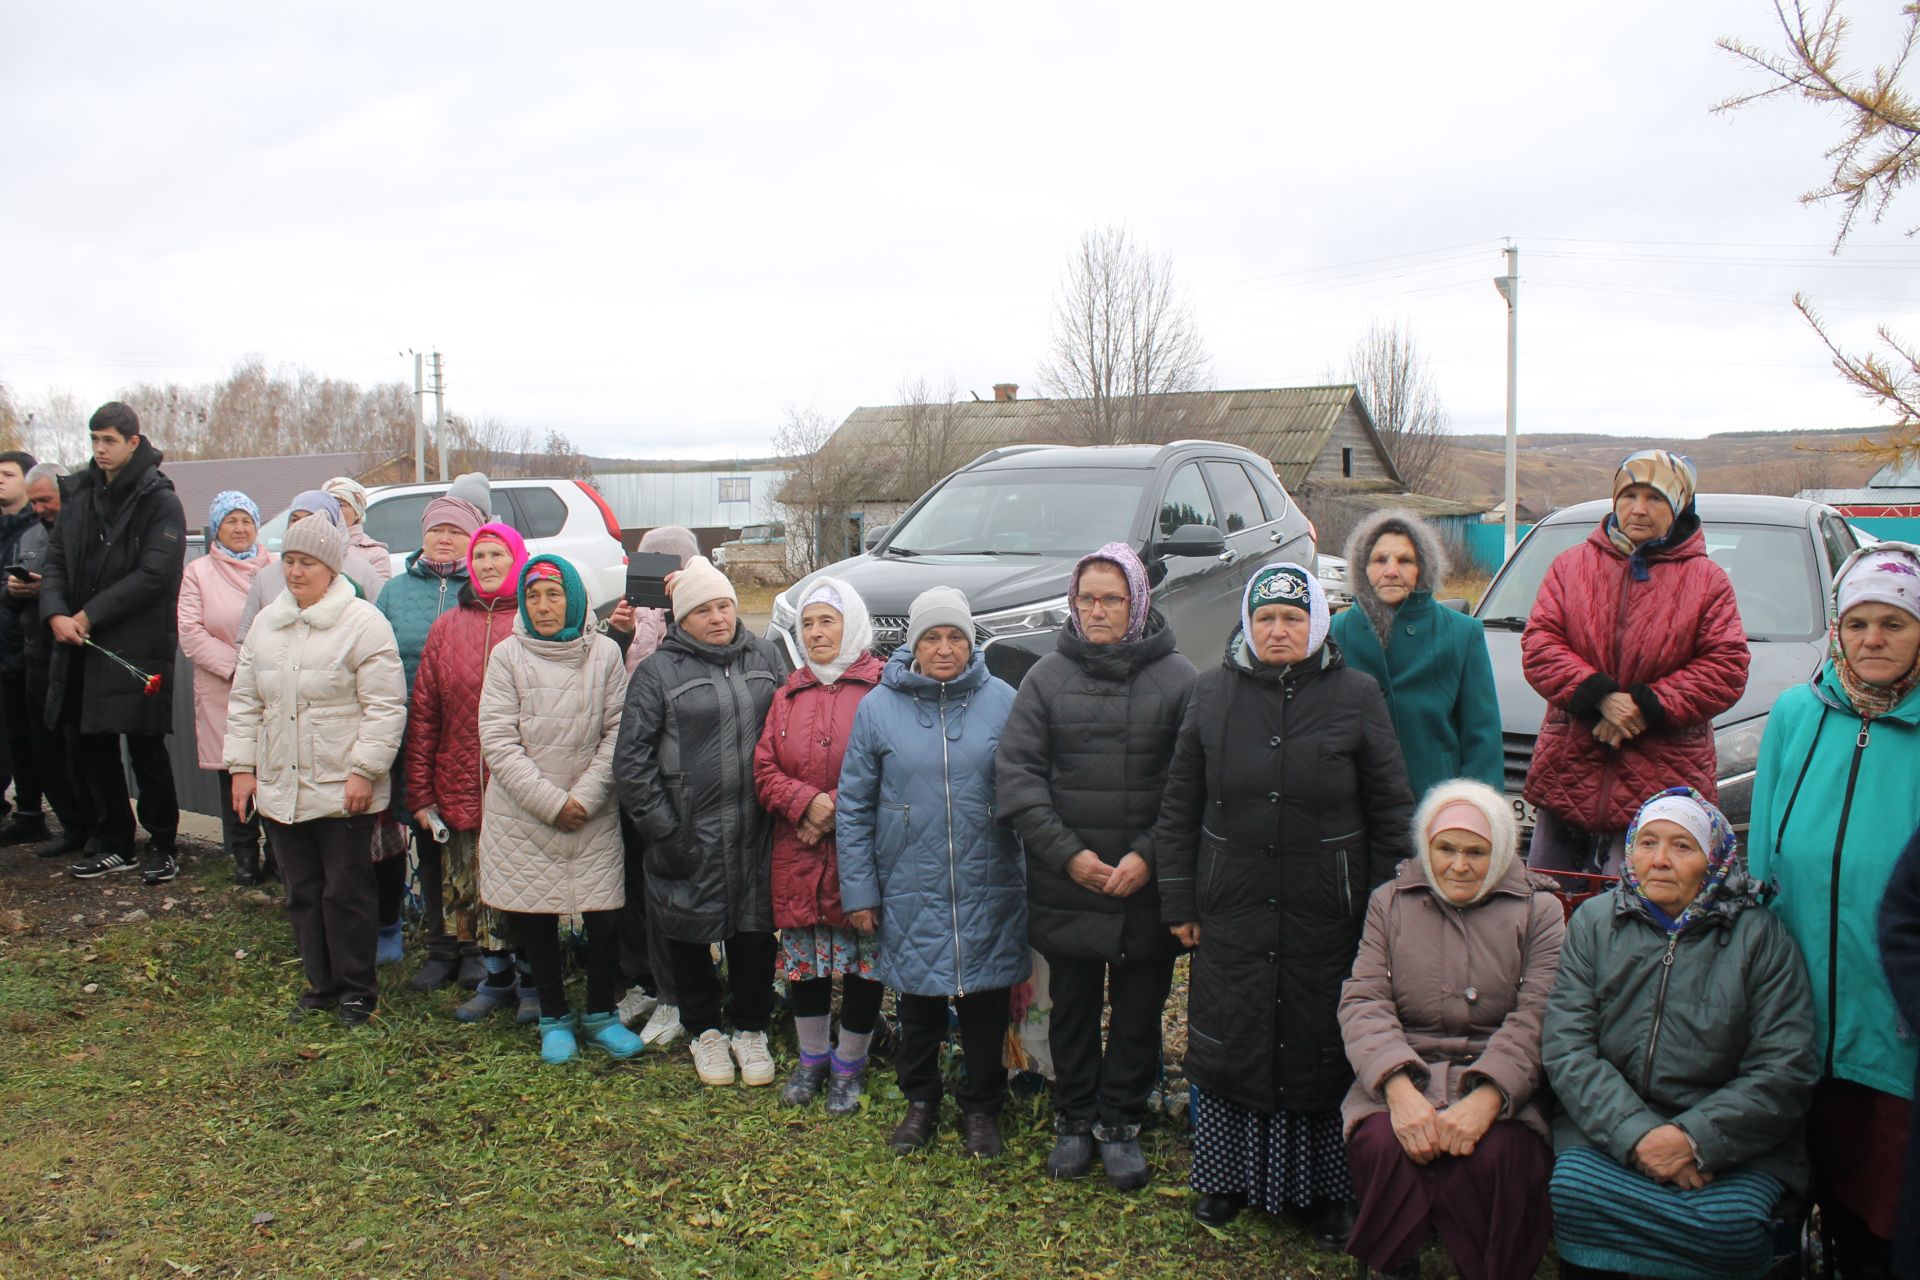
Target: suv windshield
x,y
1043,512
1772,567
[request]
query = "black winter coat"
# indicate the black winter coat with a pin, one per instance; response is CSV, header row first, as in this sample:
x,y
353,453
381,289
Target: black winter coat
x,y
1900,956
1287,803
117,553
23,613
684,768
1082,765
12,529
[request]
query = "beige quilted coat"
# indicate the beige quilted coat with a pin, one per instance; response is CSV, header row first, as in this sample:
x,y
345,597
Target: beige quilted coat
x,y
549,714
317,693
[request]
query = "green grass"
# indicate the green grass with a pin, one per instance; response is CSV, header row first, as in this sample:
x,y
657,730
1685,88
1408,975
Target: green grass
x,y
147,1127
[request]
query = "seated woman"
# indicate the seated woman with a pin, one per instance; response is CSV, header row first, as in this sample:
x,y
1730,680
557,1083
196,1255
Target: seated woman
x,y
1441,1020
1679,1043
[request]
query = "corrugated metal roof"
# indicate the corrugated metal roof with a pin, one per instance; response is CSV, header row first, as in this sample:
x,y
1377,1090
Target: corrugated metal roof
x,y
272,483
1289,426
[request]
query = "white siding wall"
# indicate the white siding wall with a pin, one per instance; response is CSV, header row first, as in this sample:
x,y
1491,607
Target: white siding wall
x,y
647,499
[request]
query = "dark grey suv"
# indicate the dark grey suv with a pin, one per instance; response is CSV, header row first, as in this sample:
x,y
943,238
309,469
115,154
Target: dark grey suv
x,y
1007,528
1781,554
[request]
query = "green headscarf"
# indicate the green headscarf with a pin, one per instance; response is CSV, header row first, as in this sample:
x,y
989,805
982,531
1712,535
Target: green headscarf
x,y
550,566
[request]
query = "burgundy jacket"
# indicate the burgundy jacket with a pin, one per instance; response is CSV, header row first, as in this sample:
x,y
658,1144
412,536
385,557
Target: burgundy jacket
x,y
1674,642
444,769
799,757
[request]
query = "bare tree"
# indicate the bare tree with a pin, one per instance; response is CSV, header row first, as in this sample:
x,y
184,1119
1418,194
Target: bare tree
x,y
1877,156
56,429
13,424
1398,390
1123,341
924,447
823,480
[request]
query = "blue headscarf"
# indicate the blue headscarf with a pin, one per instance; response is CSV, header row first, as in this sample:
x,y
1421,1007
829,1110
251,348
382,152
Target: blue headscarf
x,y
318,502
1701,819
225,503
570,582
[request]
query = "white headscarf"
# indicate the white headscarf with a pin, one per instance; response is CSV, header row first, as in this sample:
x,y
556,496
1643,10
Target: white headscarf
x,y
856,629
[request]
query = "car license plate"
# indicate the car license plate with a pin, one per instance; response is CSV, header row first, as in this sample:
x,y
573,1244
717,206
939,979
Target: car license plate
x,y
1525,814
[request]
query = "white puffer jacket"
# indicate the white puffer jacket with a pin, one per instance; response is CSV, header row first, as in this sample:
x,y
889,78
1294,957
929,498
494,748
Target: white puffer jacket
x,y
549,715
318,693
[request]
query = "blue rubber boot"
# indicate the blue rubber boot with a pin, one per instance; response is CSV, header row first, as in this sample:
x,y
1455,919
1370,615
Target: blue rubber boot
x,y
391,950
557,1044
605,1031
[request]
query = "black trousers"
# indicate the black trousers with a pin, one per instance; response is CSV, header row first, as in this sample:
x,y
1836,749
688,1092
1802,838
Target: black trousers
x,y
330,900
643,948
859,1001
59,777
16,719
242,839
983,1031
390,880
97,757
538,937
750,959
432,862
1090,1087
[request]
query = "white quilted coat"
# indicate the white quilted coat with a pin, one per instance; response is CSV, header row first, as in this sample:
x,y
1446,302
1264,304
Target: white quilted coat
x,y
317,694
549,714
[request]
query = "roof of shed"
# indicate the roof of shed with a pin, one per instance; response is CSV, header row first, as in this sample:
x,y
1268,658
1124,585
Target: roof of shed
x,y
272,483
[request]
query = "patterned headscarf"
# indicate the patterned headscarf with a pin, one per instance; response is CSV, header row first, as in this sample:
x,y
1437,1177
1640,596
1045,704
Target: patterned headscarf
x,y
1669,474
224,504
1139,594
350,492
1886,574
856,626
1287,583
548,566
1709,827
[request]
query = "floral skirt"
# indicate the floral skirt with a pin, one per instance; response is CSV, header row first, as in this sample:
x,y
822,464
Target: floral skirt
x,y
822,951
1286,1159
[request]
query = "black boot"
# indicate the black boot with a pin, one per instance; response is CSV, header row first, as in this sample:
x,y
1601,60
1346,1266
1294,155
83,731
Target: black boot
x,y
246,866
25,828
1072,1154
1217,1210
1333,1222
440,970
980,1134
915,1129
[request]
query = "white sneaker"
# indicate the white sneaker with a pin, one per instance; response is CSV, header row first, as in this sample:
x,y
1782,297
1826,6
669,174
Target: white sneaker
x,y
635,1005
663,1028
750,1051
711,1061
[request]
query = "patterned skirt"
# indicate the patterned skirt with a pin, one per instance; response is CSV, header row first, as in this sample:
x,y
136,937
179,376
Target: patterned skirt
x,y
822,951
1608,1217
1278,1160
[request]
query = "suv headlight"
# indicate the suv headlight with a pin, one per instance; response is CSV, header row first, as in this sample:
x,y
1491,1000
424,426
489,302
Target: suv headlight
x,y
783,615
1032,619
1737,747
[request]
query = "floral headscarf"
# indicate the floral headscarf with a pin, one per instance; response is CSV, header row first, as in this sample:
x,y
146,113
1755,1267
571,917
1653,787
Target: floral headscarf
x,y
1885,574
1709,827
224,504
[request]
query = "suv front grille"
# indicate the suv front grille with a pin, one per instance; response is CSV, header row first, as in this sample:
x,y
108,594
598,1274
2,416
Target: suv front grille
x,y
1519,753
890,632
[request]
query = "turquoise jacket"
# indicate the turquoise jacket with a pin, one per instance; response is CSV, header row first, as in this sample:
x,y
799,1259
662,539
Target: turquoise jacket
x,y
1833,807
412,602
1438,682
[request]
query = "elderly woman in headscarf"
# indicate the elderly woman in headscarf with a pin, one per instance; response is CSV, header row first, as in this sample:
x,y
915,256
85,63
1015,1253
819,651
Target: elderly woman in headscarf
x,y
796,770
643,945
1635,642
1081,769
213,591
1430,661
1286,804
1679,1043
1835,799
1446,1128
352,497
924,867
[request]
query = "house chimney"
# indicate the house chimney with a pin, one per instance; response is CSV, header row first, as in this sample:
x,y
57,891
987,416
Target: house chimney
x,y
1006,391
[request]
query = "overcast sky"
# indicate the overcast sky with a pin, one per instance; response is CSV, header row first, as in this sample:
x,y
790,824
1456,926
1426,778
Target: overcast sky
x,y
658,227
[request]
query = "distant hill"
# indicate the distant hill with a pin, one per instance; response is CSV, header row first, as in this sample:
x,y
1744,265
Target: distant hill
x,y
1558,470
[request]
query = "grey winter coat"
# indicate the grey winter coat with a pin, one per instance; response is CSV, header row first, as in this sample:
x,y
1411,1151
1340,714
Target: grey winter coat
x,y
917,831
1083,764
1710,1029
684,767
549,717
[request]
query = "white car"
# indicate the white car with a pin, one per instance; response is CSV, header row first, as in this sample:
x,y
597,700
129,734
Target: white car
x,y
557,517
1332,572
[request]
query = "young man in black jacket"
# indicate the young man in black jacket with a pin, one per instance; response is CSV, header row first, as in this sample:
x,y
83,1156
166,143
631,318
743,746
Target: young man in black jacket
x,y
112,586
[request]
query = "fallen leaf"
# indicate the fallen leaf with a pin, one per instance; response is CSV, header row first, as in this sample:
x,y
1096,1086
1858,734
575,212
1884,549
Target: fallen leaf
x,y
262,1218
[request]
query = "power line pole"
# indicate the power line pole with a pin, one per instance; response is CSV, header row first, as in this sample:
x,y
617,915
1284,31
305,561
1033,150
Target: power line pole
x,y
440,413
1509,286
419,418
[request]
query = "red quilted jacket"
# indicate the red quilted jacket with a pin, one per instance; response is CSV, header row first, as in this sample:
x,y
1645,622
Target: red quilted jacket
x,y
1674,642
444,770
799,757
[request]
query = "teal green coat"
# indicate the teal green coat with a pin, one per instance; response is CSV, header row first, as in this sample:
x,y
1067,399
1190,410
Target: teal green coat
x,y
412,602
1855,809
1438,682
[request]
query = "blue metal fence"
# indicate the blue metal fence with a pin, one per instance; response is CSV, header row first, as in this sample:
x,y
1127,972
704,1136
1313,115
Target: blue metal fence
x,y
1487,544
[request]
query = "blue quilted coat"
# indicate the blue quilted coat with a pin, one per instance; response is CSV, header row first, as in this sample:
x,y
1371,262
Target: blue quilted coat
x,y
917,832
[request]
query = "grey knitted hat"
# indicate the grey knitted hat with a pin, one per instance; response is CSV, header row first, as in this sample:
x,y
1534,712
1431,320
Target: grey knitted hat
x,y
325,542
938,607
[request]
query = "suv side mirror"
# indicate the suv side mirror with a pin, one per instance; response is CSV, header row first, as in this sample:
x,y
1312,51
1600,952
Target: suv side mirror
x,y
1194,540
1457,605
873,536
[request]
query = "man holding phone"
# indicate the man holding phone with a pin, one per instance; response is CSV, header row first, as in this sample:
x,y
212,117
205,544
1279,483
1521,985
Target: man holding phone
x,y
27,824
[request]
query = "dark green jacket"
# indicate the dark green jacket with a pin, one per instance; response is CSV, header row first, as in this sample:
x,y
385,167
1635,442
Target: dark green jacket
x,y
1711,1030
1438,682
412,603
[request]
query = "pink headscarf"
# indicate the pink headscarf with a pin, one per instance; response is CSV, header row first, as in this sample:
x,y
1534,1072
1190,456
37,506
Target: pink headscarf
x,y
509,537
